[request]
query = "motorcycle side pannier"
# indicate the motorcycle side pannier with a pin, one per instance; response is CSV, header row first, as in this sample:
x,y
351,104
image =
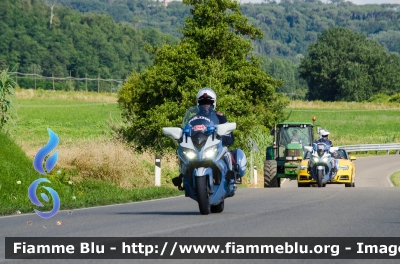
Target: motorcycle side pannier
x,y
240,160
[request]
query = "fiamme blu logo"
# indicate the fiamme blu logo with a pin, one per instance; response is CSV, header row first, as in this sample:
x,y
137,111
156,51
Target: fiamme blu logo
x,y
38,165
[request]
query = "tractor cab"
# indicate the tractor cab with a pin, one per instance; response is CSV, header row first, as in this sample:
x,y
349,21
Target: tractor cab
x,y
283,158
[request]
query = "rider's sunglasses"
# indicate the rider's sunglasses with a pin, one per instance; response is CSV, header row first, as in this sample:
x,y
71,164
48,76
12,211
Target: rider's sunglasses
x,y
206,102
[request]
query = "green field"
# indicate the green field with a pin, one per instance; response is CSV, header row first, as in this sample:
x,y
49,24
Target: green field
x,y
72,119
68,119
354,126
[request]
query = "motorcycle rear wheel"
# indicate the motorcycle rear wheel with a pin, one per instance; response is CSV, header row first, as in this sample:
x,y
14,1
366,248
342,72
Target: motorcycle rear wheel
x,y
202,195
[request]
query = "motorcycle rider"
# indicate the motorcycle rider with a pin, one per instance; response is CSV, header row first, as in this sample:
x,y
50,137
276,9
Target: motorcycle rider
x,y
325,139
206,103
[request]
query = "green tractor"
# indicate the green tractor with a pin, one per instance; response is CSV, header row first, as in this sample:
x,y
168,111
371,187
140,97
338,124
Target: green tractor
x,y
284,157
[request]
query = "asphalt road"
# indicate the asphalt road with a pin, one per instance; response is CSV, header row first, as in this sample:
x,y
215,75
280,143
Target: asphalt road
x,y
371,209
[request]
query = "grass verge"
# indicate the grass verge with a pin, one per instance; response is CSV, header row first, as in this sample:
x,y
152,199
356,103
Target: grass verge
x,y
395,178
17,173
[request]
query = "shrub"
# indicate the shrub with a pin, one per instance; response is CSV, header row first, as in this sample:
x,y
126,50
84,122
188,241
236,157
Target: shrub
x,y
7,109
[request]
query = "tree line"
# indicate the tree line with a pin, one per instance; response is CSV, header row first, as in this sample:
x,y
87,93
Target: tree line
x,y
53,40
80,45
288,26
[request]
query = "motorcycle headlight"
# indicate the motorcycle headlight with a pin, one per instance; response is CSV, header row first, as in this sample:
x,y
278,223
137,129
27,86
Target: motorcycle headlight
x,y
303,167
325,159
316,159
210,152
343,167
189,153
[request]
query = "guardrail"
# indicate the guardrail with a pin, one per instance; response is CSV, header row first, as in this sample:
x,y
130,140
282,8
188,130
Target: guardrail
x,y
372,147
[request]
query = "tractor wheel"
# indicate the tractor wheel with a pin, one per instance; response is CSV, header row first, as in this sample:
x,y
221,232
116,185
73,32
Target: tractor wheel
x,y
270,170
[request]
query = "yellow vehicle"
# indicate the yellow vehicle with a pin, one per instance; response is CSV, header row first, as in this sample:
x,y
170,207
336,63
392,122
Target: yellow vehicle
x,y
345,175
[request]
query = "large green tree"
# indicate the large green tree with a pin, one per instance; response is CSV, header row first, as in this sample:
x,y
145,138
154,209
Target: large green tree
x,y
215,51
343,65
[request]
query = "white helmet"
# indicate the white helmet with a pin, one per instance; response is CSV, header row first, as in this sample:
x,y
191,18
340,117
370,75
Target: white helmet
x,y
324,133
207,94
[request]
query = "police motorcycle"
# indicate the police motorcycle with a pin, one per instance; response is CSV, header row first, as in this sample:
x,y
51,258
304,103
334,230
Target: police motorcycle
x,y
210,172
321,164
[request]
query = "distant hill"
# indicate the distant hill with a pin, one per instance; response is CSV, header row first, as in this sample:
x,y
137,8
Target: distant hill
x,y
288,27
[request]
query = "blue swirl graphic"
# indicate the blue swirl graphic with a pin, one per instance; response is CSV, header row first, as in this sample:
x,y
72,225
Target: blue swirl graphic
x,y
43,152
35,200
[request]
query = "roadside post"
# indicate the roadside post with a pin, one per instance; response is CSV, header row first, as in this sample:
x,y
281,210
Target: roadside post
x,y
253,172
157,180
255,175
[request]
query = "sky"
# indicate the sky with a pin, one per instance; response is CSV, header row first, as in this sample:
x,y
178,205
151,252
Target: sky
x,y
357,2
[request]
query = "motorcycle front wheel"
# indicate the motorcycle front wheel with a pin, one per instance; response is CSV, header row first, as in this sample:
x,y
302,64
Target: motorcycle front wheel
x,y
320,177
202,195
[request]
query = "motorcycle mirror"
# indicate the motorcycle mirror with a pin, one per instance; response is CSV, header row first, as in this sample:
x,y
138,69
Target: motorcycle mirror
x,y
308,148
225,128
174,132
333,149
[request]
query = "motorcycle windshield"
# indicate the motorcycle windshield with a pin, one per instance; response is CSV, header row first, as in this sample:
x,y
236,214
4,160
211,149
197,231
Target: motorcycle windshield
x,y
198,121
190,112
321,148
198,111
